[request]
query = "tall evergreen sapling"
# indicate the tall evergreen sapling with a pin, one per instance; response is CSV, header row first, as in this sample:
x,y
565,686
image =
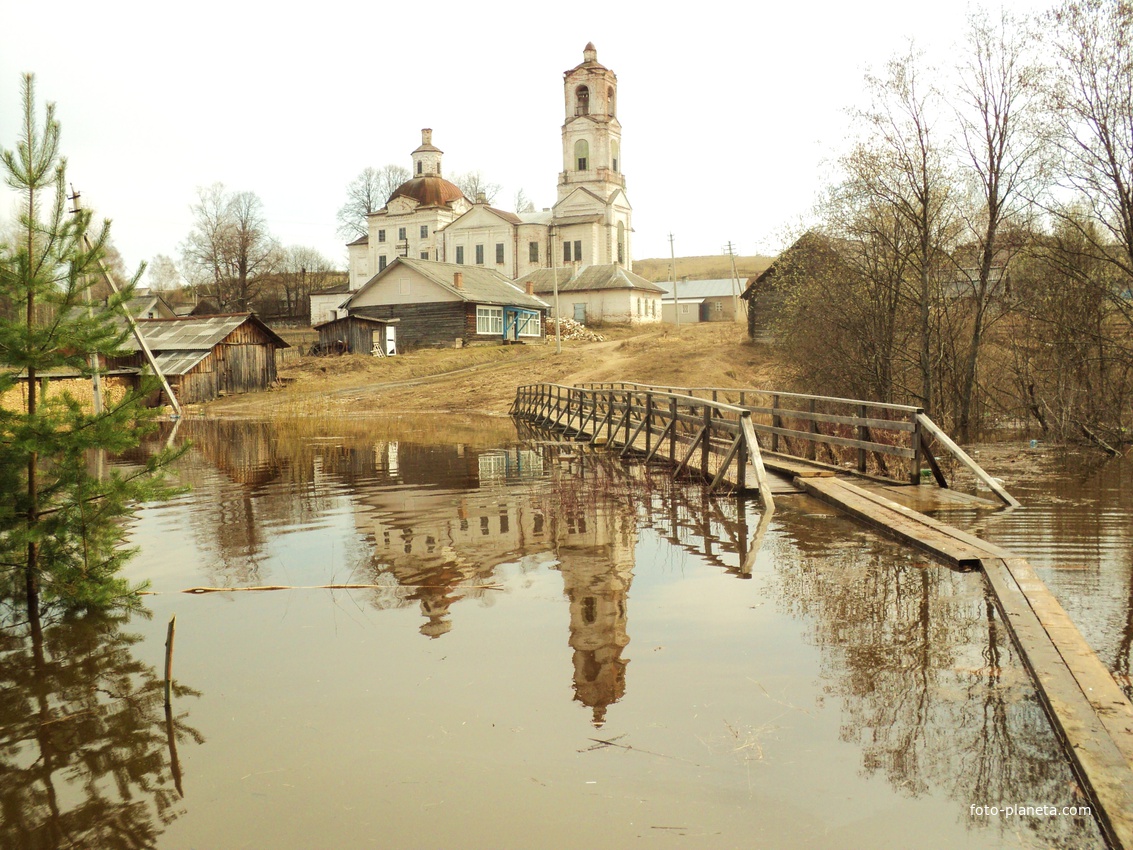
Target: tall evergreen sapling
x,y
61,526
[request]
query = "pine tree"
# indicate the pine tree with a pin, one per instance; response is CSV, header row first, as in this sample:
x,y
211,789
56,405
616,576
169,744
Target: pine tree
x,y
61,526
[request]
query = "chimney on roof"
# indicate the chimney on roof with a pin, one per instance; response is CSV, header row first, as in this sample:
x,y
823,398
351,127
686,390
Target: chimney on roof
x,y
530,287
426,136
458,280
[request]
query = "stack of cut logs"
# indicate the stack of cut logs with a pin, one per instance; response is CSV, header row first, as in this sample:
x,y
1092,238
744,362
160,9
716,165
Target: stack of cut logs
x,y
570,329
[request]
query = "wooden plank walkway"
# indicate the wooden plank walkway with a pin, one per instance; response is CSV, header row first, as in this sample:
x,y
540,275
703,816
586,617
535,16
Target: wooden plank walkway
x,y
715,433
1089,711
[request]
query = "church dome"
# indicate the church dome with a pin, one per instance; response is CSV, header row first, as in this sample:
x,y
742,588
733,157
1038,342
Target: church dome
x,y
428,191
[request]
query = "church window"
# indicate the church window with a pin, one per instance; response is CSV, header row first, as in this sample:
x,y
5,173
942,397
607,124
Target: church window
x,y
381,262
381,236
424,255
419,166
566,252
533,252
499,253
424,230
589,610
460,255
615,150
611,101
621,242
582,101
581,153
479,255
577,250
401,234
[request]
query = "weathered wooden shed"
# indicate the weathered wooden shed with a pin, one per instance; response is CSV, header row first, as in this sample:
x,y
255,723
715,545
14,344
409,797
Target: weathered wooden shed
x,y
359,335
210,356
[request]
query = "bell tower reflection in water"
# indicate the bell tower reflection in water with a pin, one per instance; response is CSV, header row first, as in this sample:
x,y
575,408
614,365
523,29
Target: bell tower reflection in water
x,y
596,557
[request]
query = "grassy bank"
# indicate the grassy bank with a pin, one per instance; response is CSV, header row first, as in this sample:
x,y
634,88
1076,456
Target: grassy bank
x,y
484,379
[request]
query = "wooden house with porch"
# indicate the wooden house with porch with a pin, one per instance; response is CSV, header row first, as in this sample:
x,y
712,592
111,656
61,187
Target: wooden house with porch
x,y
450,305
209,356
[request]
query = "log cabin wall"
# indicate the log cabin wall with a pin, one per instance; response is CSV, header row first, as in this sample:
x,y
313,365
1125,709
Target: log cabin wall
x,y
426,325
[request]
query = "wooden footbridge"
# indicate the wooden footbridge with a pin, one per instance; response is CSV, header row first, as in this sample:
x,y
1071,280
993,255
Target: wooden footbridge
x,y
839,450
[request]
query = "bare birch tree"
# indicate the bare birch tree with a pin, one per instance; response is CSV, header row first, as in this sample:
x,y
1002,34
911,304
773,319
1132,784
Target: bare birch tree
x,y
368,193
903,165
229,249
997,109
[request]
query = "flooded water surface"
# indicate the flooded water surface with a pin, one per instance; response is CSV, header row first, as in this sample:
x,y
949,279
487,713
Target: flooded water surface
x,y
540,646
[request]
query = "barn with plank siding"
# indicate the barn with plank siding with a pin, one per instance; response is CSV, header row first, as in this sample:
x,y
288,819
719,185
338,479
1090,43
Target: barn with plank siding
x,y
358,335
211,356
449,304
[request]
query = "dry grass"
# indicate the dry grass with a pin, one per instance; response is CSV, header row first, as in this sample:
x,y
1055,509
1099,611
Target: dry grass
x,y
484,379
702,268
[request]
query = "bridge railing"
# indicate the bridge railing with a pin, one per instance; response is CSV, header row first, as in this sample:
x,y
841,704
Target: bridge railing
x,y
876,438
715,439
891,441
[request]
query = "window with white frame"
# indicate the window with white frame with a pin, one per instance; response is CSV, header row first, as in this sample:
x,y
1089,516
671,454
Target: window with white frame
x,y
528,324
490,320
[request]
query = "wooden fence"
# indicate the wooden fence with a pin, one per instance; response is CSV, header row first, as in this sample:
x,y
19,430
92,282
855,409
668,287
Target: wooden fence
x,y
721,432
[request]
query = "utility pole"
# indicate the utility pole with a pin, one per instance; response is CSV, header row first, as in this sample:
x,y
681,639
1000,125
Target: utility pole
x,y
130,320
95,377
735,282
673,281
555,273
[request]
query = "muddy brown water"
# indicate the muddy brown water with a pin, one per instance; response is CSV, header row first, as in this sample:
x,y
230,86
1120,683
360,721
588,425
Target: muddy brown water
x,y
548,648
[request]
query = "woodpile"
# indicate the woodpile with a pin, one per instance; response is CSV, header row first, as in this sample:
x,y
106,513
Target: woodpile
x,y
570,329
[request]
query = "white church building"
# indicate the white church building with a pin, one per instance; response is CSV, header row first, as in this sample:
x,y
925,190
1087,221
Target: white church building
x,y
429,218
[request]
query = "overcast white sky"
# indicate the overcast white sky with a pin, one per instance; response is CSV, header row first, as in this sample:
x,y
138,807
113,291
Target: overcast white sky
x,y
730,112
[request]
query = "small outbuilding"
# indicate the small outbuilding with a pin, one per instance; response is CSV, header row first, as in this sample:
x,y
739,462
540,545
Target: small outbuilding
x,y
206,357
359,335
716,300
599,293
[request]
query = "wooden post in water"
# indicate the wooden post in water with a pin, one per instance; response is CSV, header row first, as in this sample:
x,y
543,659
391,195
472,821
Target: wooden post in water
x,y
812,445
915,463
648,421
706,444
863,435
673,430
169,660
776,421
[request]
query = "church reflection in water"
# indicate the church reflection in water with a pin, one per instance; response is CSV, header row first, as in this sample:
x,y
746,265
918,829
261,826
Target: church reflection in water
x,y
436,522
470,512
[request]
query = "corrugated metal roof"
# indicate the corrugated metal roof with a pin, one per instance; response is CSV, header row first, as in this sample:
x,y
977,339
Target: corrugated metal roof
x,y
588,278
179,362
194,334
718,288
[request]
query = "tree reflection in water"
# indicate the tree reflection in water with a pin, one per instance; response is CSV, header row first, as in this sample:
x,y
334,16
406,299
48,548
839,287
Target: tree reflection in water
x,y
86,756
931,687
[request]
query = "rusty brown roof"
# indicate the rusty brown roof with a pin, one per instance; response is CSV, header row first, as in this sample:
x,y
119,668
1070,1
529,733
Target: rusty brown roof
x,y
428,191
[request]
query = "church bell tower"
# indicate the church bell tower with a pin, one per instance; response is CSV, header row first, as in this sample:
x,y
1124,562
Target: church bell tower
x,y
592,136
592,158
